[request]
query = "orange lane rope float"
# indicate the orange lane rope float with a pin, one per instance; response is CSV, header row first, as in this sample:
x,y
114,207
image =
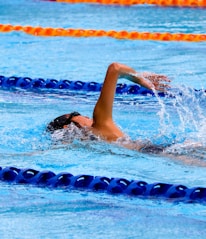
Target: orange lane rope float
x,y
166,3
132,35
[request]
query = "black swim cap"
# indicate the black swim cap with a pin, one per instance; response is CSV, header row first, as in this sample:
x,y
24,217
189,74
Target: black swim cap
x,y
61,121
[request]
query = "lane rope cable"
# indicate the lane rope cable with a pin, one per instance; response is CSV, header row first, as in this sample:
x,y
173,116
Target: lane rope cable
x,y
49,85
165,3
57,86
115,186
123,34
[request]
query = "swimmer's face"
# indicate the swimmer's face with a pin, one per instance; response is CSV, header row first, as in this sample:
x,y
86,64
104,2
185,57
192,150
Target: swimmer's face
x,y
82,121
64,121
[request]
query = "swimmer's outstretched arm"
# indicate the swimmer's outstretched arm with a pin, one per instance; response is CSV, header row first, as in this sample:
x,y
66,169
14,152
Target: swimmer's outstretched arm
x,y
102,115
103,108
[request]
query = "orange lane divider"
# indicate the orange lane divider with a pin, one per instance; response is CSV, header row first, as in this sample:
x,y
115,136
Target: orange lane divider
x,y
168,3
61,32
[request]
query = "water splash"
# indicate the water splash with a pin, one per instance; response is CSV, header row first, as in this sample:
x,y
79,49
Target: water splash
x,y
183,121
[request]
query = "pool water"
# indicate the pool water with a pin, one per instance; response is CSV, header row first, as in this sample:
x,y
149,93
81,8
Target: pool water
x,y
28,211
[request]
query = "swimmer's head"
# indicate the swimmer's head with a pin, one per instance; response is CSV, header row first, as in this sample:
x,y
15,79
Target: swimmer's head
x,y
64,121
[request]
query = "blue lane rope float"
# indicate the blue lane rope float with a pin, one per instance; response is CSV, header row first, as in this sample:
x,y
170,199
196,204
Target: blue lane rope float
x,y
53,84
115,186
58,86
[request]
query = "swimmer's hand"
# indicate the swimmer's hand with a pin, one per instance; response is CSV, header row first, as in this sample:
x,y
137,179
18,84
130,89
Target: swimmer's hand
x,y
154,81
151,81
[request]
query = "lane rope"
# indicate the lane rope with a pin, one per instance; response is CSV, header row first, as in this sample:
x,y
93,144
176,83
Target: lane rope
x,y
41,85
165,3
49,85
123,34
115,186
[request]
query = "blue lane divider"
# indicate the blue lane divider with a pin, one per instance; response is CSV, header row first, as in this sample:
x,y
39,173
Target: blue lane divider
x,y
115,186
52,84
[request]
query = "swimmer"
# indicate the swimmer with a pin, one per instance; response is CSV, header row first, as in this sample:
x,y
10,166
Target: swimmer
x,y
102,124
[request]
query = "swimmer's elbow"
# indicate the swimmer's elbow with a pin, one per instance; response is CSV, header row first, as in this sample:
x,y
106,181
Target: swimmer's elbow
x,y
121,70
114,67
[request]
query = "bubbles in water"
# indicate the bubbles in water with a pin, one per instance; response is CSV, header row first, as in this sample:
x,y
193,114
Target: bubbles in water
x,y
71,133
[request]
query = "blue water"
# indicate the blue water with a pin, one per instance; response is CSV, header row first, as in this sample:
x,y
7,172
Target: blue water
x,y
27,211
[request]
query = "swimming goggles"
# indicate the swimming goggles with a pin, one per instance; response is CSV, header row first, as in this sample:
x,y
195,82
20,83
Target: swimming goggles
x,y
69,120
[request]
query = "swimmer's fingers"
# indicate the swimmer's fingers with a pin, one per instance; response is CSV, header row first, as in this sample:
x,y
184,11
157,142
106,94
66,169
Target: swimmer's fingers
x,y
155,77
145,74
160,78
163,78
157,82
162,87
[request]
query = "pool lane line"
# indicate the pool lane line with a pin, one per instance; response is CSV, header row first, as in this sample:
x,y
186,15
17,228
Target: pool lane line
x,y
115,186
163,3
39,31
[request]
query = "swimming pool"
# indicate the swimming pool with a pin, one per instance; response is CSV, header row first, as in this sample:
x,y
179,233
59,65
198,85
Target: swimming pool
x,y
44,213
